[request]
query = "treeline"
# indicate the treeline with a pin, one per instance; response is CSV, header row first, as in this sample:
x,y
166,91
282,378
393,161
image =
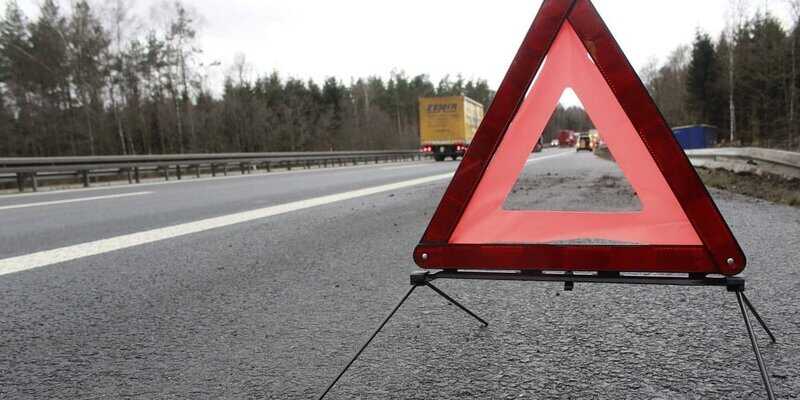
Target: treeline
x,y
571,118
90,82
745,83
87,82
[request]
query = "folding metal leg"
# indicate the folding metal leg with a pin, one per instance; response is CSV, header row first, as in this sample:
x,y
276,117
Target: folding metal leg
x,y
419,280
761,366
391,314
450,299
758,317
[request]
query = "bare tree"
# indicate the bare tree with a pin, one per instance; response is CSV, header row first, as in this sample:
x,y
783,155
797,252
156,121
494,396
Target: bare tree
x,y
794,6
241,69
118,20
736,15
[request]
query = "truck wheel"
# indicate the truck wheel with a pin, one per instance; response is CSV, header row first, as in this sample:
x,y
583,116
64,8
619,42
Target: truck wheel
x,y
454,158
438,157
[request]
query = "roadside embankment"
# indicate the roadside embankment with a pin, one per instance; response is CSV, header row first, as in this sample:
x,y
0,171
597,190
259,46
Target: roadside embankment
x,y
772,175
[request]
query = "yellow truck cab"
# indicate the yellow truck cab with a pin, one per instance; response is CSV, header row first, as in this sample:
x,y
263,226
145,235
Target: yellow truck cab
x,y
447,125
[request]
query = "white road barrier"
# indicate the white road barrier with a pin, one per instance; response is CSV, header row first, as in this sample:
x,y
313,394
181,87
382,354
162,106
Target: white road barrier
x,y
748,159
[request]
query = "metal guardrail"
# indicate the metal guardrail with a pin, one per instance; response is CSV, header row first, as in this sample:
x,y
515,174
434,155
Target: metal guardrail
x,y
32,170
748,159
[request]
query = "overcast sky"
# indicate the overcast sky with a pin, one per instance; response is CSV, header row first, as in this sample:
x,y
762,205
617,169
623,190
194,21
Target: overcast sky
x,y
355,38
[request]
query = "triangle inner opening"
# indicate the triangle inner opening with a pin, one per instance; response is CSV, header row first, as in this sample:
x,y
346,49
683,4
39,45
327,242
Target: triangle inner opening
x,y
583,177
485,220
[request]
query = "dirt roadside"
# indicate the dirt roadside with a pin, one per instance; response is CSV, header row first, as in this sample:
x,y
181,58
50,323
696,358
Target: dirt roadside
x,y
774,188
766,186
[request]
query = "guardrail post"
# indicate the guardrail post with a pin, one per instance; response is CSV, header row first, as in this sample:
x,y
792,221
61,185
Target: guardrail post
x,y
85,177
136,174
166,172
34,182
20,181
241,168
178,171
213,170
130,176
197,170
267,166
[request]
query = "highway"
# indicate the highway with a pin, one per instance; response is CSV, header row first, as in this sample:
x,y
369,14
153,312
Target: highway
x,y
263,286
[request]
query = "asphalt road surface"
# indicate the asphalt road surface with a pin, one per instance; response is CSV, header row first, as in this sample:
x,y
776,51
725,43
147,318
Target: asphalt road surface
x,y
263,286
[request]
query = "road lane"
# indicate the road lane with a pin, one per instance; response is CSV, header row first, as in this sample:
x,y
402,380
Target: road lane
x,y
55,256
272,308
188,179
37,230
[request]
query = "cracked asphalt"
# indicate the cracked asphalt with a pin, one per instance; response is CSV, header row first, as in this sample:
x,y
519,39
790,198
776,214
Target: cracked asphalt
x,y
273,308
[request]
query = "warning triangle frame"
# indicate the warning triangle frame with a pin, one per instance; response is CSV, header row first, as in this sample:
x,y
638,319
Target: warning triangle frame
x,y
719,253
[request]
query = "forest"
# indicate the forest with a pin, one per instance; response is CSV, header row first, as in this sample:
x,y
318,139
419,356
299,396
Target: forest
x,y
78,81
72,83
744,82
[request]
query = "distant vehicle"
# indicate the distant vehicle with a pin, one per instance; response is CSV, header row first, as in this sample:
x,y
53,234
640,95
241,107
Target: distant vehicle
x,y
566,138
584,142
696,136
447,125
539,146
554,143
594,135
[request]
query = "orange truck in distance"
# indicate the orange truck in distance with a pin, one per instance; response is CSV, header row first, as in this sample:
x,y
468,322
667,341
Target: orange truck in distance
x,y
447,125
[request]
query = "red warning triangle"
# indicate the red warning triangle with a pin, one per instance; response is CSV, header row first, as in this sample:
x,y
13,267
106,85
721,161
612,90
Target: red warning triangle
x,y
678,229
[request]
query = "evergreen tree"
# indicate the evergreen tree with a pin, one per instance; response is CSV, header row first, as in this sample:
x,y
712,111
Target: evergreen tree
x,y
703,81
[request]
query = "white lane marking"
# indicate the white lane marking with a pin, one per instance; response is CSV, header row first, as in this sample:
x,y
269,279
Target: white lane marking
x,y
407,166
68,253
542,158
530,160
50,203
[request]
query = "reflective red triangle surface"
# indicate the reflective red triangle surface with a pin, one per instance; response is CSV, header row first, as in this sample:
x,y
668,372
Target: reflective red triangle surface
x,y
678,229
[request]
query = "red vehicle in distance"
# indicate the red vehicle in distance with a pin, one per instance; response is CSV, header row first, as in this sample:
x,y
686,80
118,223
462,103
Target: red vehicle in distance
x,y
566,138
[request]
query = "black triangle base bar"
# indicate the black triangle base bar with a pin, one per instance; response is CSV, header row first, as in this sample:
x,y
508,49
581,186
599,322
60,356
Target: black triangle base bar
x,y
735,285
